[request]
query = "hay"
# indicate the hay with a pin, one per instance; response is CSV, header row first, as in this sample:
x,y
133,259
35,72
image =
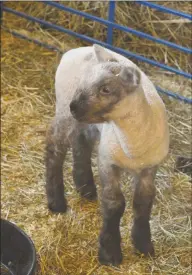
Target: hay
x,y
67,244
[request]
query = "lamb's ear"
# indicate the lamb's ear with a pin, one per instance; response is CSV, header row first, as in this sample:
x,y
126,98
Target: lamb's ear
x,y
130,75
102,54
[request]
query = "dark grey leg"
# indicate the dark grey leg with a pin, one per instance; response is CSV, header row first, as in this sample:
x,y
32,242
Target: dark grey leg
x,y
56,148
82,172
142,203
113,204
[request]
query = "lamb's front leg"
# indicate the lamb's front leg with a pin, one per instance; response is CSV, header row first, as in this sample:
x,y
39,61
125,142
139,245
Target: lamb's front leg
x,y
113,205
142,203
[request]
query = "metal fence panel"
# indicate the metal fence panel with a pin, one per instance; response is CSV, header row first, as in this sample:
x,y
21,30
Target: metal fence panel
x,y
109,43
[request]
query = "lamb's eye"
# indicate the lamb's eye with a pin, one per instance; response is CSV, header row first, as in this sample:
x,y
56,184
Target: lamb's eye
x,y
105,91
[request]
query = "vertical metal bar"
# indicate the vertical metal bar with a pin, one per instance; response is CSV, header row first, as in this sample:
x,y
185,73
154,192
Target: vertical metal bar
x,y
111,18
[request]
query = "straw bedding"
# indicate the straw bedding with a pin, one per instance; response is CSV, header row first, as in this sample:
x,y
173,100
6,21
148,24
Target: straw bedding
x,y
67,244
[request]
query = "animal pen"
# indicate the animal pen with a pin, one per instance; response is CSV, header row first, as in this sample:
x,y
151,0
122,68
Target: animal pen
x,y
67,244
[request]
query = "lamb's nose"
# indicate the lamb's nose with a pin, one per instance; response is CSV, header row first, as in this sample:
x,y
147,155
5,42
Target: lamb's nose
x,y
73,106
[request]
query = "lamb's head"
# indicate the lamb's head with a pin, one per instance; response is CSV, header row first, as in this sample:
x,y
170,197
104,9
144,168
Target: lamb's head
x,y
102,89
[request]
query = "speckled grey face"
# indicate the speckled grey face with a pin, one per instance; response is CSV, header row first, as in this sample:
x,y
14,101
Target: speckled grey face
x,y
103,86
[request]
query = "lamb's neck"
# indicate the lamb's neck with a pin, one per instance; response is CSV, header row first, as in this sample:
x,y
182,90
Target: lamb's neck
x,y
134,129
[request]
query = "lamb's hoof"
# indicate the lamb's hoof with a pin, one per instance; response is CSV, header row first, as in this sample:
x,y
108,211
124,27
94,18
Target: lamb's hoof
x,y
58,207
144,248
88,192
110,249
142,242
112,257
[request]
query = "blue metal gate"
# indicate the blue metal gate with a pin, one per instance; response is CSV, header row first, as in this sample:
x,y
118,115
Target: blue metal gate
x,y
110,23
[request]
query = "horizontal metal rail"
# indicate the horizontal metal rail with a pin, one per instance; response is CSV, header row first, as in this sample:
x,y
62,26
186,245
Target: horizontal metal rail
x,y
119,27
165,9
91,40
36,41
174,95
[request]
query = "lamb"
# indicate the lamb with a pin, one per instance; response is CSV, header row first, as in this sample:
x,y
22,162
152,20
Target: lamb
x,y
103,97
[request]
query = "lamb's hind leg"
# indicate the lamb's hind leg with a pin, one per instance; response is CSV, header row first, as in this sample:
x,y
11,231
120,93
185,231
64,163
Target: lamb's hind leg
x,y
56,148
142,203
82,172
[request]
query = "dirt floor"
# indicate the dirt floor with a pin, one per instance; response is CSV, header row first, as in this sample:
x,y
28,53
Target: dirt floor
x,y
67,244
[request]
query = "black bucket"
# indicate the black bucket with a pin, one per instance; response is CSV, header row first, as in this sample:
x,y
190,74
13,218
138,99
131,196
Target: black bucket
x,y
18,256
